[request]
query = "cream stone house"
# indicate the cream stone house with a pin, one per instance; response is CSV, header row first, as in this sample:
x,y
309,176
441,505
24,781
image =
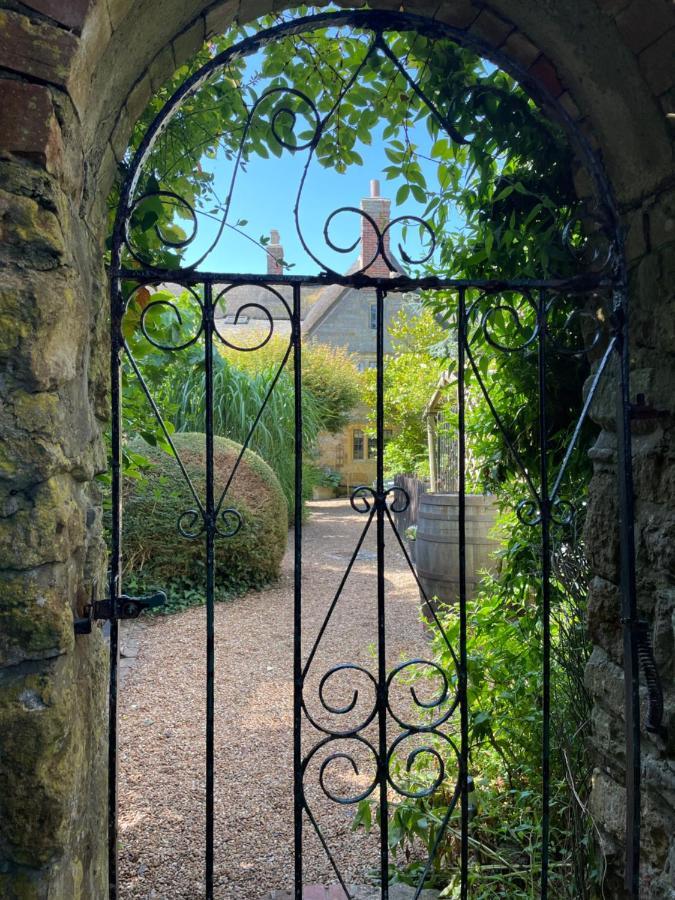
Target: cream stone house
x,y
337,316
345,317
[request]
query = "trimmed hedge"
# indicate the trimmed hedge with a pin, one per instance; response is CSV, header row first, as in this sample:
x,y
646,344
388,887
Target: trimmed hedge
x,y
158,557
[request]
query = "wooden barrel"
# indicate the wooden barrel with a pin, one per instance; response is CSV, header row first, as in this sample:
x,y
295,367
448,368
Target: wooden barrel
x,y
437,544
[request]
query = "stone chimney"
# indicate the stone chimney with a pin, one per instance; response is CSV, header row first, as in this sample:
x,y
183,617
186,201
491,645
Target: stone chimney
x,y
275,253
378,209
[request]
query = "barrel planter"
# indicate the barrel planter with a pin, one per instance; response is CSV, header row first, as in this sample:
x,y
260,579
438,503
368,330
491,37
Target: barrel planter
x,y
437,545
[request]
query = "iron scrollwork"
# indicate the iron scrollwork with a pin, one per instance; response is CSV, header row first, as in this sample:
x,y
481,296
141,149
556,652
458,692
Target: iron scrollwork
x,y
515,317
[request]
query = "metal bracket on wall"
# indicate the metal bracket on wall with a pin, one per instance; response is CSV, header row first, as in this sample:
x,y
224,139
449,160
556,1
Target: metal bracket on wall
x,y
122,607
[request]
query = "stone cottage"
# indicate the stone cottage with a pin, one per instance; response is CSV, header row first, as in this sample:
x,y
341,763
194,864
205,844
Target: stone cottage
x,y
345,317
337,316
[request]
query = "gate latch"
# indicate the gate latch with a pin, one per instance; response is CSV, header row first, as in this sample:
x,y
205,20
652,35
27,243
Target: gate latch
x,y
122,607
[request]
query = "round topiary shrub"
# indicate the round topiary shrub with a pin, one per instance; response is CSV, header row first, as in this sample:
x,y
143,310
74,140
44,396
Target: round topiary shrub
x,y
157,556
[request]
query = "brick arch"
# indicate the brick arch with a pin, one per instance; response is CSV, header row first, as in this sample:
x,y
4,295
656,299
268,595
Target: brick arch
x,y
606,62
74,77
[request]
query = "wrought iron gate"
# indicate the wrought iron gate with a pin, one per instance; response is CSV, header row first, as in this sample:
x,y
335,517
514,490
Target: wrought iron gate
x,y
600,269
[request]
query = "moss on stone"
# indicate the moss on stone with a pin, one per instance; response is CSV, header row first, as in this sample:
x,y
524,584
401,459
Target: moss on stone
x,y
36,619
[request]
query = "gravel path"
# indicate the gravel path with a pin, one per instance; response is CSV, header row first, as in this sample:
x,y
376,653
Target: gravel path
x,y
162,724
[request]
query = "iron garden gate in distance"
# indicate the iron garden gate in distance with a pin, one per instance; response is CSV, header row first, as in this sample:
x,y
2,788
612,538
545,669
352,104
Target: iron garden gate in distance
x,y
474,302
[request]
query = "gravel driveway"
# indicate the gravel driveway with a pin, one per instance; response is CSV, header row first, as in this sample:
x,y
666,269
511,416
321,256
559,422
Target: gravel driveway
x,y
161,793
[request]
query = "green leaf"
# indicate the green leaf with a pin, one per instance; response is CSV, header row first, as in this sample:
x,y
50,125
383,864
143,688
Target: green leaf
x,y
402,194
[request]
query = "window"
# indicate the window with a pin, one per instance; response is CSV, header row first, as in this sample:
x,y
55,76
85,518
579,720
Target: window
x,y
372,442
357,444
339,455
373,315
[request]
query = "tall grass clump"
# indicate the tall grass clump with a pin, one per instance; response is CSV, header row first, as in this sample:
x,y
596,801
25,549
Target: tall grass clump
x,y
258,406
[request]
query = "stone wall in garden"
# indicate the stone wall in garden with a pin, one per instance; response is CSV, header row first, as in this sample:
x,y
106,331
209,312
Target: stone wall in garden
x,y
74,77
652,269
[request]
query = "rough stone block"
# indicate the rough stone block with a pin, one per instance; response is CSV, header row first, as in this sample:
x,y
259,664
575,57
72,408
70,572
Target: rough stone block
x,y
30,234
601,533
28,124
491,28
634,237
36,618
640,28
656,546
544,72
46,528
161,68
567,102
44,343
608,804
652,309
70,13
521,49
188,42
664,632
95,38
652,470
612,6
220,18
458,13
119,139
35,48
662,234
604,679
138,99
603,617
117,10
656,63
52,774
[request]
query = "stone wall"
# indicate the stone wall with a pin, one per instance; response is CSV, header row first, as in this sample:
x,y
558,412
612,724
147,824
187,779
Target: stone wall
x,y
74,77
53,723
652,328
349,322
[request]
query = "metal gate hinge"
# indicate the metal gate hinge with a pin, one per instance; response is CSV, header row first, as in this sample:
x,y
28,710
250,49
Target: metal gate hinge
x,y
123,607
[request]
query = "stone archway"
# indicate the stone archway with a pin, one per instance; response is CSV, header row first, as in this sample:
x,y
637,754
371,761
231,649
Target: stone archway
x,y
75,77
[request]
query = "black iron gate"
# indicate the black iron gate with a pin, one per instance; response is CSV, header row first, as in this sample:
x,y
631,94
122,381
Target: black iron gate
x,y
600,270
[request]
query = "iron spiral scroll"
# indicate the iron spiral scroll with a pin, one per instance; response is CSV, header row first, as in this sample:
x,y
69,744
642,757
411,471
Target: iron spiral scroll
x,y
337,726
428,725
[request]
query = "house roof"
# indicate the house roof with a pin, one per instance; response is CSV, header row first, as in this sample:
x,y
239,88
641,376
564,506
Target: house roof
x,y
326,300
330,296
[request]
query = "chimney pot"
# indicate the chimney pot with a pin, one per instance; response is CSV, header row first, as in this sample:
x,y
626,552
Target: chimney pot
x,y
275,253
377,208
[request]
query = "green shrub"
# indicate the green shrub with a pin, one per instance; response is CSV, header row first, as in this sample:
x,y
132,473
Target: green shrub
x,y
157,556
239,396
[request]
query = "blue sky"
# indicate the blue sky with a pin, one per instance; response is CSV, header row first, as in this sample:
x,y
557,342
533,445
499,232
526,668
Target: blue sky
x,y
265,195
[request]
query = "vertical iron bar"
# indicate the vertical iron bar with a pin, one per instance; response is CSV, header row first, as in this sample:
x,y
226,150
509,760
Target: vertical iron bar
x,y
629,611
462,674
381,621
546,596
210,629
298,795
115,583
